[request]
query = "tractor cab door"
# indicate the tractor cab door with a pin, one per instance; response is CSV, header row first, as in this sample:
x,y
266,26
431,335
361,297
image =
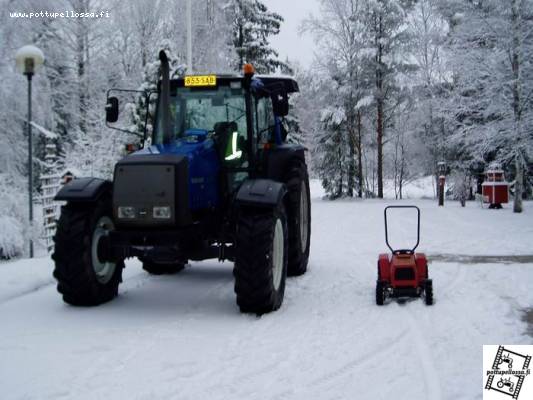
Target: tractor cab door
x,y
233,152
264,121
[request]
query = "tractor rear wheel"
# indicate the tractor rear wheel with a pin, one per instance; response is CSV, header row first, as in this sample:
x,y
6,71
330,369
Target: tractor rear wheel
x,y
261,254
380,293
299,218
428,291
83,278
162,269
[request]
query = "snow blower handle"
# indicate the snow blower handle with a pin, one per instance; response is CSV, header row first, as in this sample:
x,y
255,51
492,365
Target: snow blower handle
x,y
402,251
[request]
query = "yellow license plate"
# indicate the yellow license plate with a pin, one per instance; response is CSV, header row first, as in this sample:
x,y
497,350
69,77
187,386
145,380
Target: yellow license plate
x,y
201,80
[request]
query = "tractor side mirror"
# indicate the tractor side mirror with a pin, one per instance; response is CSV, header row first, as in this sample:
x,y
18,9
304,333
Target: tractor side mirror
x,y
280,104
111,110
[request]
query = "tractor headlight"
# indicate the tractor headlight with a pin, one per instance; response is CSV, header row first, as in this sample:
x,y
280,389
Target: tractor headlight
x,y
126,212
162,212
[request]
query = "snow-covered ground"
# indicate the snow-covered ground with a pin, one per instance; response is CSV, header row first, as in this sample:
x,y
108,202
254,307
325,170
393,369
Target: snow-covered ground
x,y
182,337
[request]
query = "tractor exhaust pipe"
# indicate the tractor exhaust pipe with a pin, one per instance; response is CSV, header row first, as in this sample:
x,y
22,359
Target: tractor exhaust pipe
x,y
165,98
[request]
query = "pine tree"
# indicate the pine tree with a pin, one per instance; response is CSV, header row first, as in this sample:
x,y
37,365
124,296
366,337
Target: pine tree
x,y
295,134
331,152
340,32
253,24
385,38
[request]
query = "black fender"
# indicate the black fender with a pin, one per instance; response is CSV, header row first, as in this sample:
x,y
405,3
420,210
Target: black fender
x,y
276,161
85,190
263,193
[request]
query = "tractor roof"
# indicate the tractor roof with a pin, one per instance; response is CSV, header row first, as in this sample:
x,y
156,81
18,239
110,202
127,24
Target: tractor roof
x,y
290,85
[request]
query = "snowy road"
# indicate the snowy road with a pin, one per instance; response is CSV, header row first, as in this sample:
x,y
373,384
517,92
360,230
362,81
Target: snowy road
x,y
182,337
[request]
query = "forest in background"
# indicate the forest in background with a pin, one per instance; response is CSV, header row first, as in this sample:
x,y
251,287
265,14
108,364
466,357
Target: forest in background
x,y
395,87
401,85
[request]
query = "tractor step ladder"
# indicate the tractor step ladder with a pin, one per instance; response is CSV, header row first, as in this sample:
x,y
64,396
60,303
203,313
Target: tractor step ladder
x,y
50,184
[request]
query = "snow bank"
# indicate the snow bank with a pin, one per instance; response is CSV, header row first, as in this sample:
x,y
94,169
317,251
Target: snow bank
x,y
24,276
11,237
12,217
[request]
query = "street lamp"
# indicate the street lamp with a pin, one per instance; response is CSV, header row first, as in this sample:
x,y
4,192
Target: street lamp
x,y
29,59
441,169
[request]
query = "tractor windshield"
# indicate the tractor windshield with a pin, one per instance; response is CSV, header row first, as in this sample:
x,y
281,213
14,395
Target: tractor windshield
x,y
191,108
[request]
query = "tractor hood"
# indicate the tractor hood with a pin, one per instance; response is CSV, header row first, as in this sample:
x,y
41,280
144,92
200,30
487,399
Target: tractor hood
x,y
203,166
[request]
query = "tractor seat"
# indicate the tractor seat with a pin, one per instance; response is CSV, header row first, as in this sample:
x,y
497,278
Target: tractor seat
x,y
225,128
223,131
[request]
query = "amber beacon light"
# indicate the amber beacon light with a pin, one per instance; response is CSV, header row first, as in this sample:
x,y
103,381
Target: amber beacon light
x,y
248,69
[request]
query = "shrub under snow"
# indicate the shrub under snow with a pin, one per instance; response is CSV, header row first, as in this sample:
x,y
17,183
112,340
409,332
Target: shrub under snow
x,y
11,237
12,216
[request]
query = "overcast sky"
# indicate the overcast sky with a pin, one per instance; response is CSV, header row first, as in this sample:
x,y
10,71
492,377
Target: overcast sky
x,y
288,42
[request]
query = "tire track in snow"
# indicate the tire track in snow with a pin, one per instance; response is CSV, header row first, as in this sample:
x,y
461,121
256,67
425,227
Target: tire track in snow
x,y
27,292
125,286
431,377
359,361
140,343
450,287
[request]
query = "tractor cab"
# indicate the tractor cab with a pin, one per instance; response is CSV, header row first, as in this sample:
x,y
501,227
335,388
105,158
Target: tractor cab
x,y
222,124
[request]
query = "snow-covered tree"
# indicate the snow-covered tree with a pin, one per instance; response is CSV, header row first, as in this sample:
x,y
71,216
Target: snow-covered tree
x,y
338,31
253,25
428,31
331,154
386,38
491,97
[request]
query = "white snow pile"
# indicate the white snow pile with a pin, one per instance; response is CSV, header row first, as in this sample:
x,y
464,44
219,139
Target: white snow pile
x,y
11,218
22,277
11,237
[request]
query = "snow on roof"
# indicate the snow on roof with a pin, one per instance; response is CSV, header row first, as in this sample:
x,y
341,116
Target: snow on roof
x,y
73,171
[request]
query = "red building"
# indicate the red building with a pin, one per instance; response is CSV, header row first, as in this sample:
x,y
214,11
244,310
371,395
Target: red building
x,y
495,188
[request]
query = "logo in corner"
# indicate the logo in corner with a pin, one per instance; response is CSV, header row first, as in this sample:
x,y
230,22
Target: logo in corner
x,y
506,377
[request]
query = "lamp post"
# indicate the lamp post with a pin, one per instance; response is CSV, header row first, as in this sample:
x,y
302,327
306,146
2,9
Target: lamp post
x,y
441,169
28,60
189,37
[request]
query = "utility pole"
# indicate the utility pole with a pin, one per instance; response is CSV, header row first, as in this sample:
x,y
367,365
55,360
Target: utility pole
x,y
189,37
441,168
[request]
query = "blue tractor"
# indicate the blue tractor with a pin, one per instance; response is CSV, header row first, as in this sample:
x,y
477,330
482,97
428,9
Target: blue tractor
x,y
216,179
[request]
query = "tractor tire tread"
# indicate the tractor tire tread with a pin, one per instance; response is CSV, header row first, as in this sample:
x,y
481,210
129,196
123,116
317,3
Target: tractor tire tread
x,y
76,280
298,257
253,273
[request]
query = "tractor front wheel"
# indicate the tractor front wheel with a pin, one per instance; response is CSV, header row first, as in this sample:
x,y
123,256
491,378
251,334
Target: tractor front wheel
x,y
83,277
428,291
261,259
380,293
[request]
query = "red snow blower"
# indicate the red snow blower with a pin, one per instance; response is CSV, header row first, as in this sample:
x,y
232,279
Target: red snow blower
x,y
403,273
